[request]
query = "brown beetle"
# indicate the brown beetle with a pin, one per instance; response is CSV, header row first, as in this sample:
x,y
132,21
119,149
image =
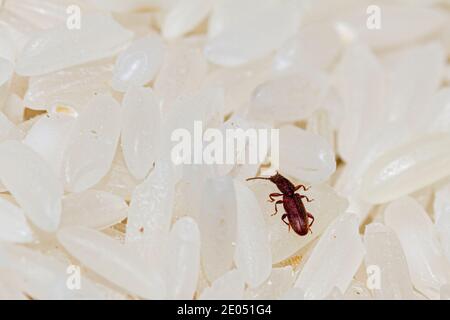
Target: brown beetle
x,y
298,217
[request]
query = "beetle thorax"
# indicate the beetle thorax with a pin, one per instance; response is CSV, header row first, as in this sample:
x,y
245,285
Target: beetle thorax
x,y
283,184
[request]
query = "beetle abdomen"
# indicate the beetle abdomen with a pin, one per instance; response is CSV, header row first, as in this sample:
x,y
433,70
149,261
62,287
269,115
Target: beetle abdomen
x,y
298,222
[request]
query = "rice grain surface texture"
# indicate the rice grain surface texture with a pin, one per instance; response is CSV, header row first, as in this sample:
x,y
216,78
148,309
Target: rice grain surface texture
x,y
128,130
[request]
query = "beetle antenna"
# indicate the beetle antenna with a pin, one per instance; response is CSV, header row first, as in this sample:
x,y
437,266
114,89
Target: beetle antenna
x,y
258,178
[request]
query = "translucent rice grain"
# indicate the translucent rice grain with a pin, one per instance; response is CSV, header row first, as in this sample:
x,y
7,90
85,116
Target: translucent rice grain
x,y
95,133
188,199
49,137
184,16
112,261
6,71
42,14
205,106
357,291
316,45
139,64
45,277
327,205
93,209
376,144
360,81
119,180
7,129
413,81
319,123
445,292
73,87
322,10
184,259
22,170
7,58
126,6
14,109
441,207
14,28
447,74
217,222
4,91
252,256
317,161
238,83
240,171
230,286
139,22
293,294
438,107
335,294
11,286
14,226
396,28
334,260
408,168
385,255
427,265
150,213
141,121
439,120
7,48
59,48
244,31
25,126
289,98
446,38
279,282
182,73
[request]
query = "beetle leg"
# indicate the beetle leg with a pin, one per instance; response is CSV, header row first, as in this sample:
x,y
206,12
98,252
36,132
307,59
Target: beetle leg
x,y
311,217
300,186
283,218
276,209
273,195
307,199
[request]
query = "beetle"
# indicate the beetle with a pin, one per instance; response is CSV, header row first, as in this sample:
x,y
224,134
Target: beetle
x,y
297,215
